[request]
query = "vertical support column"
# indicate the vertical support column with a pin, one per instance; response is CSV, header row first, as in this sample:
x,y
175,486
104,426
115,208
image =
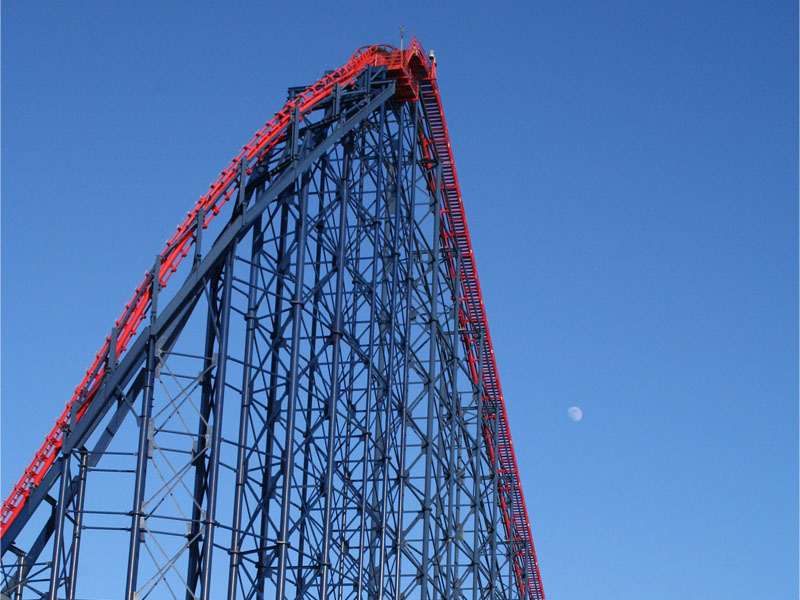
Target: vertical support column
x,y
224,317
19,584
368,442
403,418
387,401
241,197
78,523
382,379
58,534
268,483
336,336
111,363
410,245
244,414
495,531
451,577
137,515
476,469
511,567
292,388
312,373
199,224
201,465
434,335
293,145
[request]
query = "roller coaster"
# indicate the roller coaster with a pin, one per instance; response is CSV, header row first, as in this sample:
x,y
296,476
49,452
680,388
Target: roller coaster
x,y
310,407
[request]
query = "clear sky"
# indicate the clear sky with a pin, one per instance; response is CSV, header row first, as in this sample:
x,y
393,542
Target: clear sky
x,y
630,173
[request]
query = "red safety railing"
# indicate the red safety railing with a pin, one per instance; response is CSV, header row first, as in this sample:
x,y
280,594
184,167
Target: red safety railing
x,y
416,79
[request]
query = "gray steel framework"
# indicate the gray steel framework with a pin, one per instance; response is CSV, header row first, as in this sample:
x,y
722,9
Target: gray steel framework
x,y
298,419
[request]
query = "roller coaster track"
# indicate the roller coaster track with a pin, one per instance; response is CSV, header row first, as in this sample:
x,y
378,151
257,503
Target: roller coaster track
x,y
415,78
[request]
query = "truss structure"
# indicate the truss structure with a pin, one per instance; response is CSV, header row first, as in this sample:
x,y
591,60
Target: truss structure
x,y
314,412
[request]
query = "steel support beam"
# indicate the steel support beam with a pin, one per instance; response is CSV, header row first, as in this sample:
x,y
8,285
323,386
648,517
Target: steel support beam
x,y
292,388
137,513
367,454
72,579
251,319
335,339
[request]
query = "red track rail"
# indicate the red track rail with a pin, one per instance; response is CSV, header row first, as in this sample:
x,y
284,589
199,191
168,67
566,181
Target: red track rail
x,y
416,78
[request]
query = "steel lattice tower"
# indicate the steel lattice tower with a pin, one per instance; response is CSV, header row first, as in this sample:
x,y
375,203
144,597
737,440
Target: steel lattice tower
x,y
314,411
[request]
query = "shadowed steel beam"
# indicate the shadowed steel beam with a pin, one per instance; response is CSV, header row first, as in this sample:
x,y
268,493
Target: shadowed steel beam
x,y
432,362
376,227
336,336
207,419
76,533
216,432
391,350
137,514
58,542
403,409
476,473
247,393
292,387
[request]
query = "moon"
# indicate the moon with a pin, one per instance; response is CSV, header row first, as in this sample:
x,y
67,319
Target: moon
x,y
575,413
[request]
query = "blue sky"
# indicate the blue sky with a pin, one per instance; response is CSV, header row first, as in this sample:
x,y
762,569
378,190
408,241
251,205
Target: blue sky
x,y
630,175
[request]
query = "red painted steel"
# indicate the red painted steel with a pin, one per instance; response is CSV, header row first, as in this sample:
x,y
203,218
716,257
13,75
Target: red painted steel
x,y
415,77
